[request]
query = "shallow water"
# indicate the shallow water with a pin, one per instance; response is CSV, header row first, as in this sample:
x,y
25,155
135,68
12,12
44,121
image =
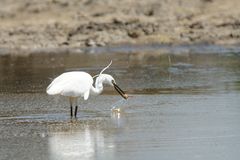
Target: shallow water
x,y
185,105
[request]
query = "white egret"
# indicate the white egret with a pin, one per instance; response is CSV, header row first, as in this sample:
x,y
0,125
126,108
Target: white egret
x,y
76,84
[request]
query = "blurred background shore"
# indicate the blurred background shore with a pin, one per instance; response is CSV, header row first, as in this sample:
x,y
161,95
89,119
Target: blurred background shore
x,y
37,24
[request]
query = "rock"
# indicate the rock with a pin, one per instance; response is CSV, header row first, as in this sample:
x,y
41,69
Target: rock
x,y
135,33
90,43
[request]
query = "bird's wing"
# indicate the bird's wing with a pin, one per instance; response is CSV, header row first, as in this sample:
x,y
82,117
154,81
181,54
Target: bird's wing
x,y
71,84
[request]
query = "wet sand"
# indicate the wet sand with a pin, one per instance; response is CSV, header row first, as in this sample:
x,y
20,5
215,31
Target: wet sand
x,y
184,106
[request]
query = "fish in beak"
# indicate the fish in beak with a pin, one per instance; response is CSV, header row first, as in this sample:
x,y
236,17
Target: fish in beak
x,y
119,90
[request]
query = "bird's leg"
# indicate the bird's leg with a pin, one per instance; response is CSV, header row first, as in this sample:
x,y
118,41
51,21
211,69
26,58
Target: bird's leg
x,y
71,108
76,108
71,111
75,113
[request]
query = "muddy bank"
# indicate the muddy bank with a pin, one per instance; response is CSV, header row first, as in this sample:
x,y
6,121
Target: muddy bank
x,y
62,23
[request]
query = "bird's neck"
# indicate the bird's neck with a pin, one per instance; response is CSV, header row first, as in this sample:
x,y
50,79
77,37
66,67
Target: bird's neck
x,y
96,91
98,87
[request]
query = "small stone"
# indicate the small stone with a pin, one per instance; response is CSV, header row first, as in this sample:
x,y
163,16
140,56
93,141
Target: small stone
x,y
90,43
65,43
134,34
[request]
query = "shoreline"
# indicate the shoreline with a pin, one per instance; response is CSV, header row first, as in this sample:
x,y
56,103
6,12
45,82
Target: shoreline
x,y
199,48
79,24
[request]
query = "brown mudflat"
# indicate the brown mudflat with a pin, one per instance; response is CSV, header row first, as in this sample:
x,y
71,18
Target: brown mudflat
x,y
66,24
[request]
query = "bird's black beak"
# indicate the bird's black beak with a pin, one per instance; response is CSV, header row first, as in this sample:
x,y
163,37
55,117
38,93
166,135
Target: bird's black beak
x,y
119,90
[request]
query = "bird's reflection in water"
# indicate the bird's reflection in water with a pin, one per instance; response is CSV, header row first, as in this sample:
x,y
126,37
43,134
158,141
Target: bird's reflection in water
x,y
76,144
118,118
77,140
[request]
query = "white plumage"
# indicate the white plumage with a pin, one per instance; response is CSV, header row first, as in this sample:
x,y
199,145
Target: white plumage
x,y
80,84
71,84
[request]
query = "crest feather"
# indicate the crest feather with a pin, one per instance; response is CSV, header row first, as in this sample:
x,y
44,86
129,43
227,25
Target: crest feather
x,y
103,70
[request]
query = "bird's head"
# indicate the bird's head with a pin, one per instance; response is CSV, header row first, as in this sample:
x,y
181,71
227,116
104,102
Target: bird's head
x,y
109,80
106,79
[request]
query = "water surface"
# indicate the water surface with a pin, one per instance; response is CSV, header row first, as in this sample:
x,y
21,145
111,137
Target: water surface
x,y
185,105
